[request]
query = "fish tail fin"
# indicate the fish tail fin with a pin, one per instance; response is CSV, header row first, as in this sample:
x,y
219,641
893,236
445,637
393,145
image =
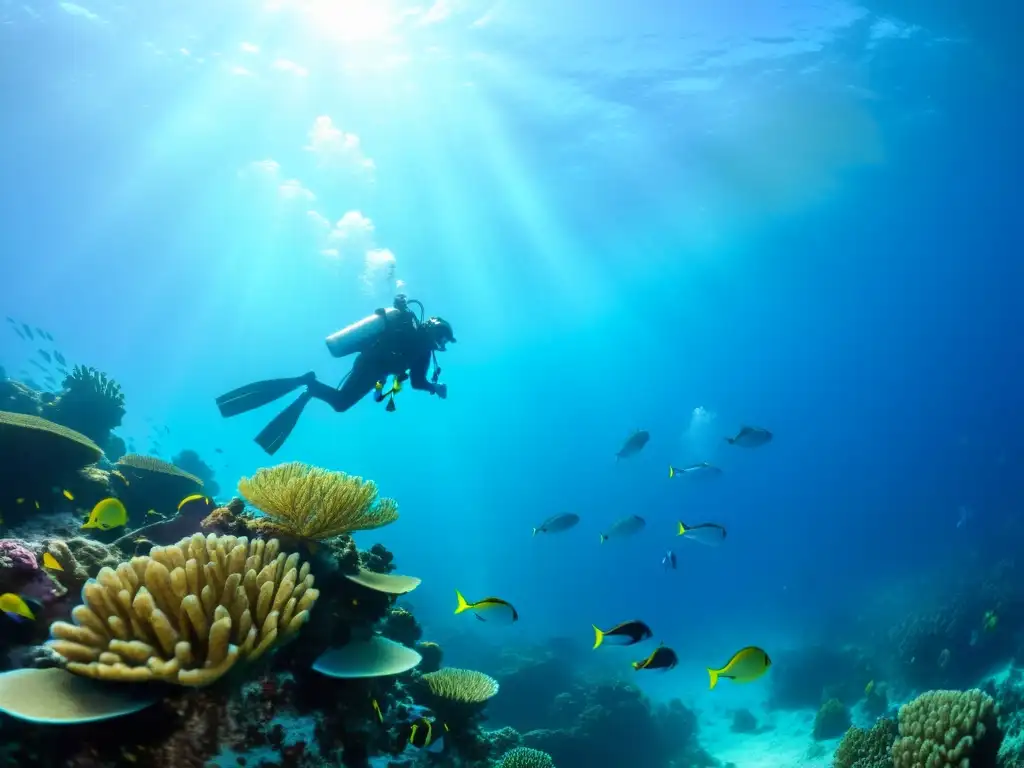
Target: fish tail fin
x,y
671,471
682,528
713,675
534,532
463,605
603,538
598,636
637,665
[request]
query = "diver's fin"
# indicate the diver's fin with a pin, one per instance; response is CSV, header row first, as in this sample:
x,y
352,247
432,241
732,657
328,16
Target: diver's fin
x,y
277,431
257,394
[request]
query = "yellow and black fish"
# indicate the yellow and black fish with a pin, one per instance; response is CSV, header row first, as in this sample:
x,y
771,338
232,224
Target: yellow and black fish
x,y
626,633
376,709
196,503
745,666
492,609
662,657
423,733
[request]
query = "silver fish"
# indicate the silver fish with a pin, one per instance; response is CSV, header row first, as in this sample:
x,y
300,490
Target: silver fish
x,y
557,523
627,526
634,444
694,470
750,437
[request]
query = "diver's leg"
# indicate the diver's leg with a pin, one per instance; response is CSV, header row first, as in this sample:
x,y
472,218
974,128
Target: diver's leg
x,y
358,384
258,394
277,431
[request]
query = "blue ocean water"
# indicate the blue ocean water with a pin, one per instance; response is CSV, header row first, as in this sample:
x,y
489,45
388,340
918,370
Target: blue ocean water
x,y
679,217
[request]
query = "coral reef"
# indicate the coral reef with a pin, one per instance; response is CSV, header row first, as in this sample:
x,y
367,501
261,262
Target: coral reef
x,y
832,720
1009,696
312,504
946,644
189,461
941,728
185,614
743,722
432,655
401,626
806,678
37,455
154,484
377,559
524,757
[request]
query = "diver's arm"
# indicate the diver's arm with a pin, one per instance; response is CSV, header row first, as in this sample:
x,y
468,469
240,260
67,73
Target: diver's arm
x,y
418,374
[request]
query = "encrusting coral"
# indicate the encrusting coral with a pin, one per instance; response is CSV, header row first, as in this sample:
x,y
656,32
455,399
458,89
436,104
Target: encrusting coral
x,y
462,685
947,728
186,613
313,504
524,757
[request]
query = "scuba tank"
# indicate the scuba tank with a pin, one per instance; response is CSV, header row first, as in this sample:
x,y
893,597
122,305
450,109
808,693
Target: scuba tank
x,y
358,336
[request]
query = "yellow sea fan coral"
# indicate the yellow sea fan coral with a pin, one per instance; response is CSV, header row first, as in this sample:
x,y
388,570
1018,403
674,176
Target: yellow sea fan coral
x,y
946,728
152,464
462,685
186,613
310,503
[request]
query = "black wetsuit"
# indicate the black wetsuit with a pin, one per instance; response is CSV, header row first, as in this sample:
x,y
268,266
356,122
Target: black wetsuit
x,y
403,349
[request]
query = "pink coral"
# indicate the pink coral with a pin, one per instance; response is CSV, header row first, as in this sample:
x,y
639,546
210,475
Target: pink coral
x,y
15,556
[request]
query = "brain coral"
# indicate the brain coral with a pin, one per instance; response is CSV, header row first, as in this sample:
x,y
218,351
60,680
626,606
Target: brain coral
x,y
947,728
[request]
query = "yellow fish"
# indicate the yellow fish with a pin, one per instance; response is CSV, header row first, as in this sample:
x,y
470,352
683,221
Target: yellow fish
x,y
107,514
154,512
49,561
20,501
746,665
68,496
376,708
869,688
496,609
37,505
15,607
195,497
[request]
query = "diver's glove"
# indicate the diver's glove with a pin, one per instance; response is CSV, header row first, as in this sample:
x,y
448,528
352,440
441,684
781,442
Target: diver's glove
x,y
441,390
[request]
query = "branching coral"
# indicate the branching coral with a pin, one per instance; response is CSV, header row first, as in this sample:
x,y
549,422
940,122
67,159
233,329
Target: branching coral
x,y
947,728
462,685
304,502
91,403
186,613
862,748
524,757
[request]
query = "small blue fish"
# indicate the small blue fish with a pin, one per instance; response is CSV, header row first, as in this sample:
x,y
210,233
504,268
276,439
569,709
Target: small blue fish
x,y
634,444
669,560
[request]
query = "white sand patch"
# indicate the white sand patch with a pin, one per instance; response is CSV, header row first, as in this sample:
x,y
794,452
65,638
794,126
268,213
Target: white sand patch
x,y
783,741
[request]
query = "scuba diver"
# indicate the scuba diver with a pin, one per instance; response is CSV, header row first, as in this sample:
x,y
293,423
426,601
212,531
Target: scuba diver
x,y
392,341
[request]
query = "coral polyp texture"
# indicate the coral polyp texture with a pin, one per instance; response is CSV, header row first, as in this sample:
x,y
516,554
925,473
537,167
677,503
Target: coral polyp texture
x,y
143,464
305,502
524,757
463,685
31,441
186,613
862,748
947,728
